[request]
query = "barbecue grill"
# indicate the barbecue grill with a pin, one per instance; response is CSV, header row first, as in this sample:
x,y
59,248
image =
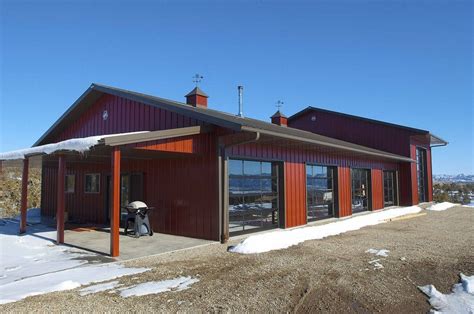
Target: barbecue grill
x,y
137,217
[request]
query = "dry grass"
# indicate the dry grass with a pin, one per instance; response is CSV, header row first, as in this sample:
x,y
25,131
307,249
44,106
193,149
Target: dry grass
x,y
10,189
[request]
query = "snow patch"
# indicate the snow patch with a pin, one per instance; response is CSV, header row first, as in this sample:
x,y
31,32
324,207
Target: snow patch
x,y
99,288
76,144
376,263
154,287
32,264
282,239
63,280
382,252
441,206
461,300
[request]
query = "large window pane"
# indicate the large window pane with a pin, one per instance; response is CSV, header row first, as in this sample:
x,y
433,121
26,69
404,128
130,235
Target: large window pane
x,y
235,167
360,189
92,183
252,168
253,196
421,173
319,189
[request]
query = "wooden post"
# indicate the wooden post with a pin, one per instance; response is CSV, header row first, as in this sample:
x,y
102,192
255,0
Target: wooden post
x,y
115,209
24,196
60,200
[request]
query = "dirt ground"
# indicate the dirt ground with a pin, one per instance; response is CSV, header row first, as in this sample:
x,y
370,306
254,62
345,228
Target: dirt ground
x,y
329,275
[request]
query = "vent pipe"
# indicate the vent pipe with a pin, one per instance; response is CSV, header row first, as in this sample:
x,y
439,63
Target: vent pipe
x,y
241,105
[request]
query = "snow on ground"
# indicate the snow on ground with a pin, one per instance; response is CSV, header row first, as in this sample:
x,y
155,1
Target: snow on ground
x,y
281,239
376,263
34,253
382,252
441,206
32,264
99,288
154,287
461,300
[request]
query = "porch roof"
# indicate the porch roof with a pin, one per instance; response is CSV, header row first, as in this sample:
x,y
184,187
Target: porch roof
x,y
84,144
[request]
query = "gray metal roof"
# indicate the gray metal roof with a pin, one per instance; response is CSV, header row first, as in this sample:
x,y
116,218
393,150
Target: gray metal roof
x,y
278,114
211,116
196,91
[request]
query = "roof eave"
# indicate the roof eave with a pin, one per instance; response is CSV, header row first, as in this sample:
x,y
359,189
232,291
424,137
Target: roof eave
x,y
338,146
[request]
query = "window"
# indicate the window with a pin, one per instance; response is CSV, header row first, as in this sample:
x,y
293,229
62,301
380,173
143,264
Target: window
x,y
360,189
92,183
69,183
390,196
421,173
319,192
253,195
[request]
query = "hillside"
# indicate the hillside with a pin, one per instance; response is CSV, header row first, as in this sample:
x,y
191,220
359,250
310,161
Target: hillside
x,y
10,189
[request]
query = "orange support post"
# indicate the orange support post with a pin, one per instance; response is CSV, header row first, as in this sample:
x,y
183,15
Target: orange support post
x,y
60,202
115,209
24,195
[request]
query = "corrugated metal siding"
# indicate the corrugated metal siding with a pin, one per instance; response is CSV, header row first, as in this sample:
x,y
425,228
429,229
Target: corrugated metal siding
x,y
295,194
195,144
123,116
405,184
344,191
356,131
377,189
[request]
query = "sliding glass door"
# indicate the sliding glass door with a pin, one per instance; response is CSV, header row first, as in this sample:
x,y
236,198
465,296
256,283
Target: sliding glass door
x,y
319,192
253,195
390,191
360,190
421,174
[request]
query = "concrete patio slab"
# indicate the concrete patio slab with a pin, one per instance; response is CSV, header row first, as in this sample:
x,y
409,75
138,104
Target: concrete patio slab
x,y
98,240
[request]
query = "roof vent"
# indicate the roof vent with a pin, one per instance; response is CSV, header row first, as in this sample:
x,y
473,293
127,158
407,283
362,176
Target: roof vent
x,y
197,98
279,119
241,104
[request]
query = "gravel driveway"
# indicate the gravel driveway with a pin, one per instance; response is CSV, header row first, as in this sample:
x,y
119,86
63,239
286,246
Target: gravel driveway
x,y
332,274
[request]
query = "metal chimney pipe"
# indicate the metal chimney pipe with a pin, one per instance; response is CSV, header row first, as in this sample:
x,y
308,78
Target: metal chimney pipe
x,y
241,106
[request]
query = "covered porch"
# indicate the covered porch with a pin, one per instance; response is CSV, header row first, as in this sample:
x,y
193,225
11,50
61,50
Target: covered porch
x,y
93,219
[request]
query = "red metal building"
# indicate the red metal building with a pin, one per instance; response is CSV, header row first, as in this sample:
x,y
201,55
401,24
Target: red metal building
x,y
211,174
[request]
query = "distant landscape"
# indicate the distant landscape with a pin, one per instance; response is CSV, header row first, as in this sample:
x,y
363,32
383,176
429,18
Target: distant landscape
x,y
453,188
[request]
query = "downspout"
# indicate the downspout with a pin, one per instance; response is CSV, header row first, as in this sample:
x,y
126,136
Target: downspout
x,y
224,184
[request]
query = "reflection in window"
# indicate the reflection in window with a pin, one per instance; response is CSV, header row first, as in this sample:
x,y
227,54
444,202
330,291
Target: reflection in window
x,y
253,195
389,188
319,192
421,173
69,183
360,189
92,183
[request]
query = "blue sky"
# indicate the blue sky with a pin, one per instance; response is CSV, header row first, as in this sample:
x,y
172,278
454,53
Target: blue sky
x,y
406,62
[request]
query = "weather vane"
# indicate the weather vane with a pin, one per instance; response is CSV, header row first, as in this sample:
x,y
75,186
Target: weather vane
x,y
279,104
197,78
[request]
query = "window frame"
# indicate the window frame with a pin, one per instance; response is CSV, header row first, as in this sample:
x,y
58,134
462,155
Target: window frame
x,y
395,187
85,183
66,186
422,168
368,189
273,176
333,189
